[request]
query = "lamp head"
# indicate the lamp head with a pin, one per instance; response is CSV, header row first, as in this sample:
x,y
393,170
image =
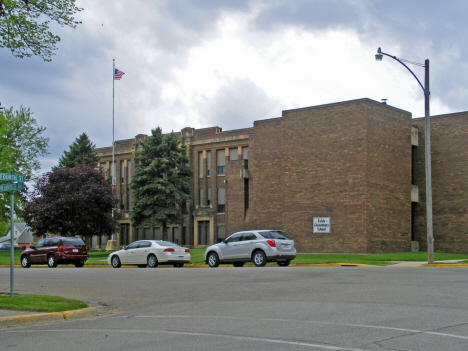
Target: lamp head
x,y
378,55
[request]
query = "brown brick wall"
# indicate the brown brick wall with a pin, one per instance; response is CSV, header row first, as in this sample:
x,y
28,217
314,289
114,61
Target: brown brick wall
x,y
449,153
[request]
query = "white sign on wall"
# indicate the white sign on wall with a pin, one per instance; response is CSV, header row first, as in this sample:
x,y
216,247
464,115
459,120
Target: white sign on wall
x,y
321,224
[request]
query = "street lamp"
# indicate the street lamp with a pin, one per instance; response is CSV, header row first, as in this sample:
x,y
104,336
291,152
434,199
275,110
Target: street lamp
x,y
425,88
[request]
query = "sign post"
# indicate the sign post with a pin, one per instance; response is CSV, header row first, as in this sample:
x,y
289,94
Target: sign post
x,y
16,183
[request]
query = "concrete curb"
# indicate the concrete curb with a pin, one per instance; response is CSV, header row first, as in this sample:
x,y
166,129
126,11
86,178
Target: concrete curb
x,y
38,318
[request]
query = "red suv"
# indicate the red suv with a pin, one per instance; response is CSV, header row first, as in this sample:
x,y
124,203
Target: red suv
x,y
54,251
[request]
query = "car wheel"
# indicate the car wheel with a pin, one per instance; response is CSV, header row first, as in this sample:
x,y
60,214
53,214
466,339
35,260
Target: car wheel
x,y
213,259
152,261
238,264
284,263
259,258
116,262
142,266
25,262
51,262
79,264
178,265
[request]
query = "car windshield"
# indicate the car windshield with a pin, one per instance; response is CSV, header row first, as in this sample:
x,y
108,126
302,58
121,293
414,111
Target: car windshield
x,y
275,234
77,242
166,243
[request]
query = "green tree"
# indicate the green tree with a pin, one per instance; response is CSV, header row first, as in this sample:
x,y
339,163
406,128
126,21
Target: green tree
x,y
24,25
21,146
162,181
72,201
81,153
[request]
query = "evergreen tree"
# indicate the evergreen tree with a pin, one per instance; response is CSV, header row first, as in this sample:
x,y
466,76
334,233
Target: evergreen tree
x,y
81,153
162,181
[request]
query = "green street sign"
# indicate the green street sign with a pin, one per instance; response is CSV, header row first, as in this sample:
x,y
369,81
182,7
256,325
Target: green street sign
x,y
12,177
11,187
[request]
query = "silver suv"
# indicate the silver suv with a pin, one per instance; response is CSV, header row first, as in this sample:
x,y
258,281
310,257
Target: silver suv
x,y
257,246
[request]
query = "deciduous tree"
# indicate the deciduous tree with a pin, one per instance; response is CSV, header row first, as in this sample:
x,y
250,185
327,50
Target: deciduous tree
x,y
72,201
81,152
162,181
21,146
24,25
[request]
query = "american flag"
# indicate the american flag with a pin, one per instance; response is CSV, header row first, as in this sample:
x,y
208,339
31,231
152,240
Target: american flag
x,y
118,74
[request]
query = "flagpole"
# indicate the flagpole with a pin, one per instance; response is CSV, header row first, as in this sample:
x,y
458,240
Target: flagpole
x,y
113,142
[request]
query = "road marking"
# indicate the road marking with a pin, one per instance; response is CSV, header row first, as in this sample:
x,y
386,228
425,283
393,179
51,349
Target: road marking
x,y
237,337
312,322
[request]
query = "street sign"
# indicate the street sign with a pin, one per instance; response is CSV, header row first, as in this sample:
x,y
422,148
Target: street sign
x,y
12,177
11,187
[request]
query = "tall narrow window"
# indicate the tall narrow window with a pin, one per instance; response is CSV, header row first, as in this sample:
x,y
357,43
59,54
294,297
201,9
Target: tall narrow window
x,y
200,200
208,197
233,156
221,233
245,153
208,163
220,162
221,200
200,164
122,171
129,171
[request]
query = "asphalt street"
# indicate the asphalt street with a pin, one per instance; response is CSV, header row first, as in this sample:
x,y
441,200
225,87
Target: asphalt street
x,y
269,308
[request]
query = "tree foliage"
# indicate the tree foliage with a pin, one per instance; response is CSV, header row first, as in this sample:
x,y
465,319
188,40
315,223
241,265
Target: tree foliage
x,y
81,153
162,181
72,201
24,25
21,146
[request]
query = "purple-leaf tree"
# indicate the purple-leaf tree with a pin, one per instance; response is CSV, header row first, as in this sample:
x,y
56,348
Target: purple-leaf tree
x,y
70,202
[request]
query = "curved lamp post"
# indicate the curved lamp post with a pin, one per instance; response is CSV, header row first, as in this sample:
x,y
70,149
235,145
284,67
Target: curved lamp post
x,y
425,88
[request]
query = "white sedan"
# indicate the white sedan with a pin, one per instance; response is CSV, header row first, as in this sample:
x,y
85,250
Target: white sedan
x,y
150,253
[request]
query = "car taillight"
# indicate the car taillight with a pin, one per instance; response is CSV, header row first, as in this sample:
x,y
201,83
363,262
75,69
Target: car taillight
x,y
187,250
169,250
272,243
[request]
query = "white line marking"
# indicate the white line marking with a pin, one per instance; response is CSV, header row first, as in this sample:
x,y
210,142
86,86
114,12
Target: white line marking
x,y
313,322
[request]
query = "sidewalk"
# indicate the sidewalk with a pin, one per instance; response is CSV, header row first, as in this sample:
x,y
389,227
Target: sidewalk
x,y
446,263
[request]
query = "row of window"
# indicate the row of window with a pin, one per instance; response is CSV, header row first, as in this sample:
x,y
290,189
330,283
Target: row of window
x,y
221,207
220,160
123,170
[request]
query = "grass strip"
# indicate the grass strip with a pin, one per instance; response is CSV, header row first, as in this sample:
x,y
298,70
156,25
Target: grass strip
x,y
39,303
98,258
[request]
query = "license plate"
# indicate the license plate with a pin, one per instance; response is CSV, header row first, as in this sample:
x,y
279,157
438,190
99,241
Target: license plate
x,y
75,250
181,257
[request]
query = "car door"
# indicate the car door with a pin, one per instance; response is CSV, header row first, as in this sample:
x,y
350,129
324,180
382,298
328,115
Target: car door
x,y
39,255
244,247
229,249
127,256
142,251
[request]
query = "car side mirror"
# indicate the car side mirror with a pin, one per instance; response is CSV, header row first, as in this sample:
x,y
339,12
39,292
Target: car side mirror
x,y
225,241
125,247
32,247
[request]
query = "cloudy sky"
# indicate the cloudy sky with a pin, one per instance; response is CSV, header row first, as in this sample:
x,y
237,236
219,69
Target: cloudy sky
x,y
227,63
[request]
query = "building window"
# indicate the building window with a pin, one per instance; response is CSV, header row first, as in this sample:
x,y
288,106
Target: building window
x,y
200,164
221,233
129,171
208,197
200,200
208,163
245,153
221,161
221,200
122,172
233,154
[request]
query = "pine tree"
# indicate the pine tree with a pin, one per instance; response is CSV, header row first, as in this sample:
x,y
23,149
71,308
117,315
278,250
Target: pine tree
x,y
81,152
162,181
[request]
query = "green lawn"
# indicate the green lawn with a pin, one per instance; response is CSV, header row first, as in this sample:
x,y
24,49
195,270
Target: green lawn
x,y
39,303
99,258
